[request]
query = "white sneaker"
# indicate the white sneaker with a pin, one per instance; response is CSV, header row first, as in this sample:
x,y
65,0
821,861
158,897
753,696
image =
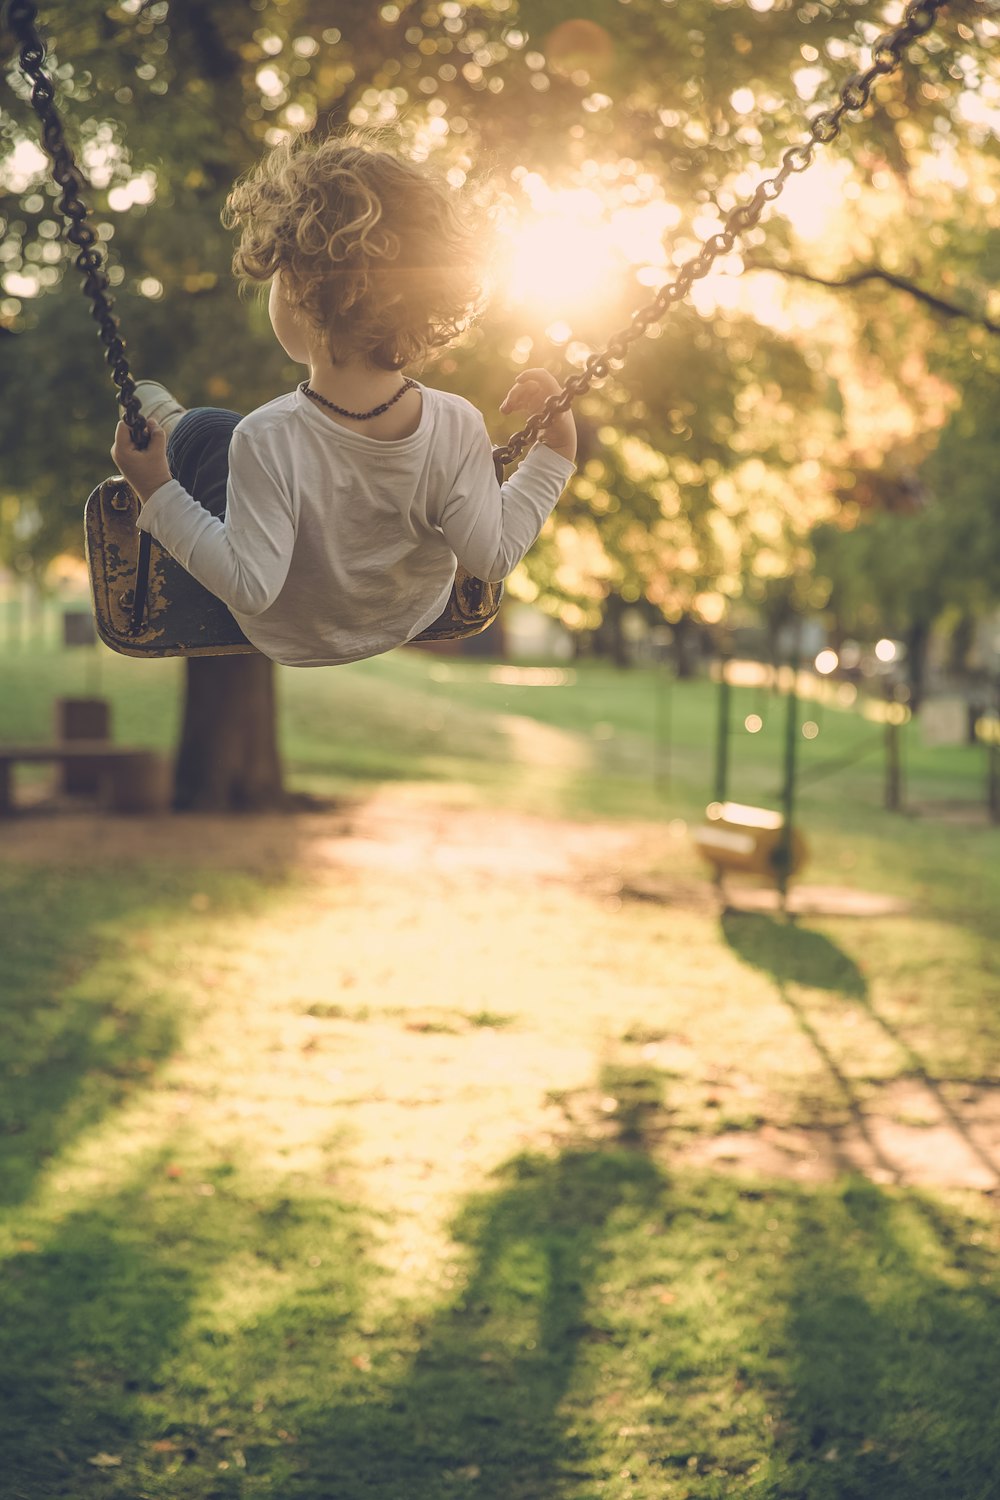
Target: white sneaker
x,y
157,402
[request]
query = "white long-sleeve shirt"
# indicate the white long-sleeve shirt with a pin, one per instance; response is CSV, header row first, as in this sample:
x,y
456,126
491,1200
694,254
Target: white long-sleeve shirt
x,y
337,546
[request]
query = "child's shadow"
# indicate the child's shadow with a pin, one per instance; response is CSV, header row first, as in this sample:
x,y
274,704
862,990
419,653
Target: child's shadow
x,y
480,1407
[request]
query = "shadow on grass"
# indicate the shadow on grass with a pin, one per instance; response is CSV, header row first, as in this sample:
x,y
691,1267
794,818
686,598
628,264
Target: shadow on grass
x,y
479,1409
117,1370
617,1333
622,1334
84,1017
117,1377
892,1377
90,1318
792,954
893,1327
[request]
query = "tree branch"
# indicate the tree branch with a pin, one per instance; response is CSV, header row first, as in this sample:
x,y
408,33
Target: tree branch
x,y
874,273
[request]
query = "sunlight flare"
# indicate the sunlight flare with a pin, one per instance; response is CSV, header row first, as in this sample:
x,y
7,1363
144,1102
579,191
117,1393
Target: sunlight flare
x,y
571,251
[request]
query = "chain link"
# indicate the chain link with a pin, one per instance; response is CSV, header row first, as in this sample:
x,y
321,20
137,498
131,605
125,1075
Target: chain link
x,y
855,92
89,261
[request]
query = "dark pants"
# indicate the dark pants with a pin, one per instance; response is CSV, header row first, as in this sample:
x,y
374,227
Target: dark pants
x,y
198,454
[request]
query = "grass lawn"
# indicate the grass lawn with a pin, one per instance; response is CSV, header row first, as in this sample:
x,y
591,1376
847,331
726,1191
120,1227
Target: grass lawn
x,y
448,1143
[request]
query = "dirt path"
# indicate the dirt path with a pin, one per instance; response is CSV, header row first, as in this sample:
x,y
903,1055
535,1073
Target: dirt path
x,y
450,986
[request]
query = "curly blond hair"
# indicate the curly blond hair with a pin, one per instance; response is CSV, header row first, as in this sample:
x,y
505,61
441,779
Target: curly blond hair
x,y
378,253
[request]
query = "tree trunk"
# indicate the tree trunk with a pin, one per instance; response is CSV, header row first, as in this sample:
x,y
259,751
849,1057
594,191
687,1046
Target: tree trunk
x,y
918,638
228,757
960,644
610,633
686,648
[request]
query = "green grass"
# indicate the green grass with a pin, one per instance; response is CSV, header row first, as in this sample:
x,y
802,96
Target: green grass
x,y
324,1180
617,739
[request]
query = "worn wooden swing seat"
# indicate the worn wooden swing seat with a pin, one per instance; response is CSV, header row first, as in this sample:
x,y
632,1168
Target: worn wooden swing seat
x,y
177,616
737,839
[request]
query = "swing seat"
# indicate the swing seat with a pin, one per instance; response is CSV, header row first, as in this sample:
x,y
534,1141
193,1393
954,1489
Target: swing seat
x,y
749,840
181,617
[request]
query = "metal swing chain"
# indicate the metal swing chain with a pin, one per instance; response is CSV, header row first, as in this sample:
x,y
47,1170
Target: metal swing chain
x,y
855,92
90,262
854,95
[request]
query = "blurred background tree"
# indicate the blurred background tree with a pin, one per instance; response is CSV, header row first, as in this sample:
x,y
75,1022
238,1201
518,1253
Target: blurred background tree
x,y
813,431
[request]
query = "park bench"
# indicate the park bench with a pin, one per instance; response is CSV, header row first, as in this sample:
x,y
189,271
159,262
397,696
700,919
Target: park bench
x,y
128,779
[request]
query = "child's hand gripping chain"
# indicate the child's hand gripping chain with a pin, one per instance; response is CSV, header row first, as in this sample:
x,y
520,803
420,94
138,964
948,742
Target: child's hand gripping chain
x,y
530,391
146,469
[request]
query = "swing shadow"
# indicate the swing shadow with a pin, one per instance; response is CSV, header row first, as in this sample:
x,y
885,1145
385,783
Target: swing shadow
x,y
864,1289
793,955
884,1325
106,1320
501,1388
790,954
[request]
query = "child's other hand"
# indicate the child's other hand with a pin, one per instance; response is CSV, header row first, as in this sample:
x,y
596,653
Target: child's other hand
x,y
530,391
144,468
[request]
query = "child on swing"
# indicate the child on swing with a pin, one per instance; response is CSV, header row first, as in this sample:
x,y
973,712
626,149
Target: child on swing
x,y
330,521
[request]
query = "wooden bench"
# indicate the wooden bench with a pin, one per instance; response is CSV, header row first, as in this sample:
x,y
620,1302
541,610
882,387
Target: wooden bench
x,y
129,780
